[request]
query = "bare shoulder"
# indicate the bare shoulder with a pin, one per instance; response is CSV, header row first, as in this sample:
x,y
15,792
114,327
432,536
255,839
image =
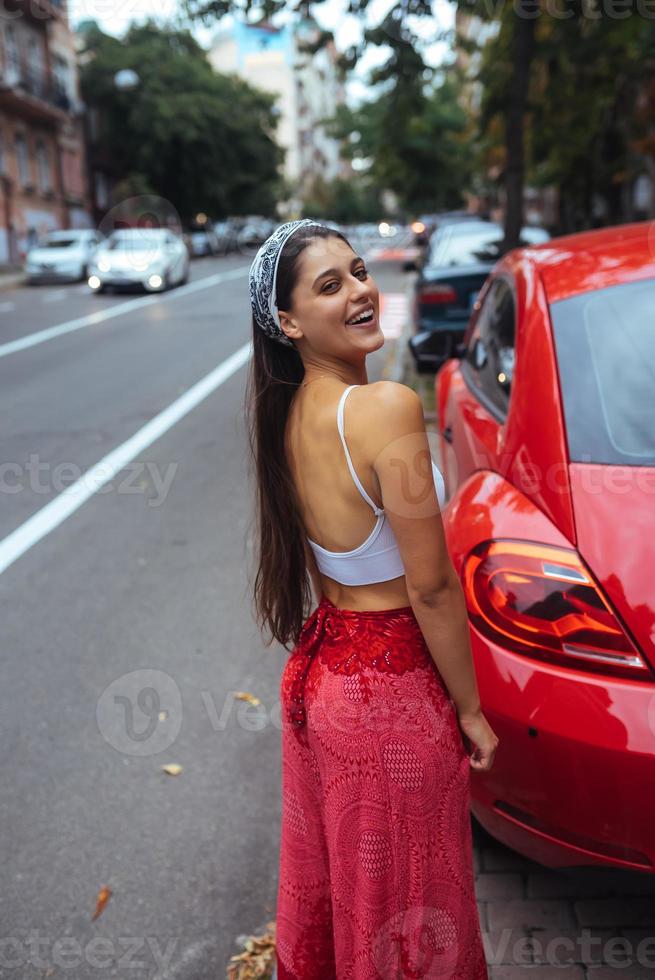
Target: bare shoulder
x,y
389,409
389,397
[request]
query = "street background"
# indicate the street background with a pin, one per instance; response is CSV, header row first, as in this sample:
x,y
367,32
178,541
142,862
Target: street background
x,y
150,574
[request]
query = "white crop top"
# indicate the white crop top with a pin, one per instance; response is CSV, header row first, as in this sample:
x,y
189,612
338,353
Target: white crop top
x,y
377,559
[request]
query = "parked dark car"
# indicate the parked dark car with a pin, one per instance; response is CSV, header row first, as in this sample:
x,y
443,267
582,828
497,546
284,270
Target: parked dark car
x,y
427,224
459,258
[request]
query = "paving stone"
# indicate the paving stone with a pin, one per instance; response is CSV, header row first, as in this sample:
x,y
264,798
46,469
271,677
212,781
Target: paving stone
x,y
634,972
503,859
537,973
620,912
491,885
510,946
559,946
634,883
526,913
567,884
647,938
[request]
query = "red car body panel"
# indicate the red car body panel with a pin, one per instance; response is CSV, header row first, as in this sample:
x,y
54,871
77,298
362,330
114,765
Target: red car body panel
x,y
591,260
615,517
573,778
536,464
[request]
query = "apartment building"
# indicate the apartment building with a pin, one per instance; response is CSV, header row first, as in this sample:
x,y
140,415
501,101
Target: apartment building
x,y
307,88
42,170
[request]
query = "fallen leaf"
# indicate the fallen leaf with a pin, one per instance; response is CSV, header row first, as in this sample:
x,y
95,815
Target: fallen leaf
x,y
172,768
247,696
258,959
103,897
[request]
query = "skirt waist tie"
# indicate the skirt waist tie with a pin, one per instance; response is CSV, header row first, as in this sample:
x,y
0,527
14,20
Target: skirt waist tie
x,y
314,629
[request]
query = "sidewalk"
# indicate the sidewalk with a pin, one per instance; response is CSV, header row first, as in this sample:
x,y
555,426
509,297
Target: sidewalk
x,y
11,278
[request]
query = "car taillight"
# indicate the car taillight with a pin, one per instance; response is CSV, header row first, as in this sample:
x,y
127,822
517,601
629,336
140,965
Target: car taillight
x,y
436,294
541,601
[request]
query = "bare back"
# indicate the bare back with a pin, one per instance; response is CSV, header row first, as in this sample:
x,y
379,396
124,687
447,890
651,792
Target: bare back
x,y
334,513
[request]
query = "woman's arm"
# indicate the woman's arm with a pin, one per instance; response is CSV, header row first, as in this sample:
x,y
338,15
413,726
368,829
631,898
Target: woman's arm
x,y
396,436
314,573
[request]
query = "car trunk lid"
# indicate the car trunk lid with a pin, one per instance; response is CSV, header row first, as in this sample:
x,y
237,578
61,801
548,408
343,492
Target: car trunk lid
x,y
614,511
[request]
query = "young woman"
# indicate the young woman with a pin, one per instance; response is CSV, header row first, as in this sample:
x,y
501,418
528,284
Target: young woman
x,y
379,693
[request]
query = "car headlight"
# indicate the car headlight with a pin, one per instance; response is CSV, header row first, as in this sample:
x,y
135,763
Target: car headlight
x,y
103,264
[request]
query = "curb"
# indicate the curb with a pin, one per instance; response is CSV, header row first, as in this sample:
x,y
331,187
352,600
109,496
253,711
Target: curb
x,y
11,280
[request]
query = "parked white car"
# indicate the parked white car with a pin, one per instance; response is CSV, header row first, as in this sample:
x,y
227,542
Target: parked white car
x,y
152,258
62,255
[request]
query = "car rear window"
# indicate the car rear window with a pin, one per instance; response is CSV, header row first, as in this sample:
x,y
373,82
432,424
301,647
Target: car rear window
x,y
61,242
605,342
462,249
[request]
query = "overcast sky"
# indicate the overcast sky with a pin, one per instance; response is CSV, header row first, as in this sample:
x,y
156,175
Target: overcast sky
x,y
114,16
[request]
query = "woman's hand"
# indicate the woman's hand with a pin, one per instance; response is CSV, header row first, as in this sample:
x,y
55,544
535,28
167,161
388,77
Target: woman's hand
x,y
478,732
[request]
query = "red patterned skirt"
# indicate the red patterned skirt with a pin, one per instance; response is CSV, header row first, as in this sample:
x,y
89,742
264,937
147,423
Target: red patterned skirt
x,y
376,859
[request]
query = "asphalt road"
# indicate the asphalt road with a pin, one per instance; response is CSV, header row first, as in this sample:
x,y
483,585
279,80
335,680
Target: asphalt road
x,y
126,625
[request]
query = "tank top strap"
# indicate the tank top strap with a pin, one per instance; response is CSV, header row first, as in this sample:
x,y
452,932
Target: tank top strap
x,y
358,484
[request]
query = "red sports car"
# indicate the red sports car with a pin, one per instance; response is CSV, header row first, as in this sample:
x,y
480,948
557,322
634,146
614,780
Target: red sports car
x,y
547,434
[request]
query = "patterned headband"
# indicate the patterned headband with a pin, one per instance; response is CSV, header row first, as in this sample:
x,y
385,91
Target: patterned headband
x,y
262,280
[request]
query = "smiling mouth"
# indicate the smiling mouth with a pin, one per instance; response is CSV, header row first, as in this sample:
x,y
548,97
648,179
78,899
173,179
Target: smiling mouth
x,y
366,316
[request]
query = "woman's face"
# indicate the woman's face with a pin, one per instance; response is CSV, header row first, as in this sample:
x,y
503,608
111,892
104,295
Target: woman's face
x,y
333,289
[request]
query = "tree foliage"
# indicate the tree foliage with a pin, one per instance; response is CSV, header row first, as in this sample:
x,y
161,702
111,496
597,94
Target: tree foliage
x,y
202,140
346,201
568,100
412,132
583,131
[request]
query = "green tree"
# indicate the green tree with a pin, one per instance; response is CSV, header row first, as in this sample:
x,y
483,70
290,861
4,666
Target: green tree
x,y
582,131
405,69
202,140
348,201
412,131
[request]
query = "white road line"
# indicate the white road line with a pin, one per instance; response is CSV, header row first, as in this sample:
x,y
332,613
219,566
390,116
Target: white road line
x,y
71,499
7,307
22,343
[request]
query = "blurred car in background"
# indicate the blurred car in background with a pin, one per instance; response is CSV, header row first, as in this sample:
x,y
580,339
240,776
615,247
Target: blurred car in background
x,y
254,231
459,258
547,436
149,258
203,241
62,256
427,224
226,235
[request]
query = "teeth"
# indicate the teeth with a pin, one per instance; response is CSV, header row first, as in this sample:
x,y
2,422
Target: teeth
x,y
362,316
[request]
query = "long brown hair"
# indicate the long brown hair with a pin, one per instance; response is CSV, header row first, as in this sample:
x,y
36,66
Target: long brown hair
x,y
281,590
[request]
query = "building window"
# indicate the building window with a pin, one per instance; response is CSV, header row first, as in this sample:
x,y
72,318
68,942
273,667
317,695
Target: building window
x,y
36,67
43,166
12,55
62,74
23,160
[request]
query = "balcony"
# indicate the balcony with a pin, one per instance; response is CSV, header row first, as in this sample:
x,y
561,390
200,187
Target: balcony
x,y
35,94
